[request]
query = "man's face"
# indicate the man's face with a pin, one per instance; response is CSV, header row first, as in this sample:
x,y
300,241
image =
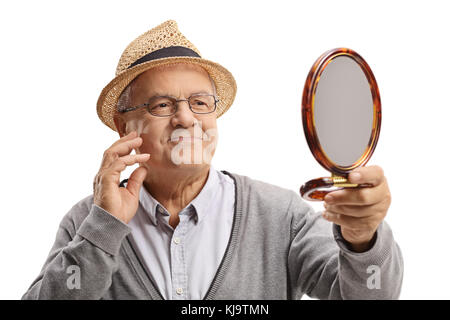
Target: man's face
x,y
161,135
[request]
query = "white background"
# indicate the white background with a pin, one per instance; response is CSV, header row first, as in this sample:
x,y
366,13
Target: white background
x,y
57,56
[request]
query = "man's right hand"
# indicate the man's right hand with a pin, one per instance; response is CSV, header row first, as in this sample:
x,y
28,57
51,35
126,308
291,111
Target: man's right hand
x,y
120,202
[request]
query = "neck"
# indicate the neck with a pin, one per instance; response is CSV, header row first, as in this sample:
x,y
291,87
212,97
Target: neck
x,y
175,189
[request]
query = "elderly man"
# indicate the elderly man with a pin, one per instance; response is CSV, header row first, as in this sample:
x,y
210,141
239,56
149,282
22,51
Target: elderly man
x,y
179,229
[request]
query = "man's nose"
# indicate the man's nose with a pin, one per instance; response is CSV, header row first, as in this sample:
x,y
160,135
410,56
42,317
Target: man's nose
x,y
184,117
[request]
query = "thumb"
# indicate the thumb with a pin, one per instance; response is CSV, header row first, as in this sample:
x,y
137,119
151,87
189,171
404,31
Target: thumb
x,y
135,180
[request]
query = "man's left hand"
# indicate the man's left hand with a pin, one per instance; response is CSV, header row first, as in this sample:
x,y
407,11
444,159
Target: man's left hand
x,y
359,211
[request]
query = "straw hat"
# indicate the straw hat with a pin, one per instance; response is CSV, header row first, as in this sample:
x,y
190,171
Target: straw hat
x,y
164,44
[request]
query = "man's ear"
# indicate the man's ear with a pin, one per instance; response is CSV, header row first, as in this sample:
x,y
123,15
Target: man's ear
x,y
120,124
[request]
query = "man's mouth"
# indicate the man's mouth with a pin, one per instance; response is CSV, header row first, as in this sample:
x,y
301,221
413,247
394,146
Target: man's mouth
x,y
186,139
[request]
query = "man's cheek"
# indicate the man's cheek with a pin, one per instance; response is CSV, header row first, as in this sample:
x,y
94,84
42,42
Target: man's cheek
x,y
210,134
150,145
208,149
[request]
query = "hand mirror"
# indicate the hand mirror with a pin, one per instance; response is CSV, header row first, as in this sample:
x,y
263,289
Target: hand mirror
x,y
341,113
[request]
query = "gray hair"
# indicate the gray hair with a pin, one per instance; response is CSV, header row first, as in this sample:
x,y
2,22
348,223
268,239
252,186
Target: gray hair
x,y
125,97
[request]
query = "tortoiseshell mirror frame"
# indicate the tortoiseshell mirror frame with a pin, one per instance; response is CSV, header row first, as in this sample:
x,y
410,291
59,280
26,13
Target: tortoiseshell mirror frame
x,y
315,190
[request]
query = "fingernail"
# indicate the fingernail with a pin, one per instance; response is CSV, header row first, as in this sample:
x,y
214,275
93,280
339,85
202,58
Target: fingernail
x,y
328,198
355,176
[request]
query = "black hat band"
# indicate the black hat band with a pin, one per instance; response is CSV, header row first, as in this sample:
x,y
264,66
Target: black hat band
x,y
174,51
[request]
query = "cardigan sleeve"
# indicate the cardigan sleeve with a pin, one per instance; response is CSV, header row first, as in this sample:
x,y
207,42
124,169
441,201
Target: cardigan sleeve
x,y
322,266
82,260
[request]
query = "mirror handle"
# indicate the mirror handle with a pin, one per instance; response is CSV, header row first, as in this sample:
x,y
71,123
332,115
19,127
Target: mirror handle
x,y
316,189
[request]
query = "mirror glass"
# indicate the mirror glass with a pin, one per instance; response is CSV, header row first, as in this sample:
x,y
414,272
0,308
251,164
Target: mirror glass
x,y
341,116
343,111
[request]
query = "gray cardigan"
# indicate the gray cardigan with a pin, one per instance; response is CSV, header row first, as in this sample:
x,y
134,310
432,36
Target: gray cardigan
x,y
279,248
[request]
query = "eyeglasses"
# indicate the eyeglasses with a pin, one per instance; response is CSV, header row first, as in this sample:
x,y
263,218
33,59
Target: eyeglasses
x,y
164,106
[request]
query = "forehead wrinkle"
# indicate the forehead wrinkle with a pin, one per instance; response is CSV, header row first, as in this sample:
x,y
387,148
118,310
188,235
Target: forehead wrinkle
x,y
152,88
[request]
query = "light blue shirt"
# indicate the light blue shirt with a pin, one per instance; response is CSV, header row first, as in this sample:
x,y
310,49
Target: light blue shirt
x,y
182,262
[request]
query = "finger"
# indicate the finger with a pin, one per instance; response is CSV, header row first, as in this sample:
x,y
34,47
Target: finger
x,y
349,222
121,149
373,175
351,210
121,163
358,196
127,146
129,136
135,180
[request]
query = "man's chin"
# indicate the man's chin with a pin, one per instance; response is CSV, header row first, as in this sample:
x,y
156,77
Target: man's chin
x,y
191,166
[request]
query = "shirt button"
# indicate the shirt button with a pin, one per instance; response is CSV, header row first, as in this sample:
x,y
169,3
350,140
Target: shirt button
x,y
179,290
161,210
176,240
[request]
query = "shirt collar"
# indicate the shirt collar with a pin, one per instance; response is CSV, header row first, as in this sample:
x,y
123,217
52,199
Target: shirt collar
x,y
201,203
203,200
149,204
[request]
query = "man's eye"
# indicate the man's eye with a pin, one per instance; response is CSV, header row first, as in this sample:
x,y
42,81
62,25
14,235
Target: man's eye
x,y
161,105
